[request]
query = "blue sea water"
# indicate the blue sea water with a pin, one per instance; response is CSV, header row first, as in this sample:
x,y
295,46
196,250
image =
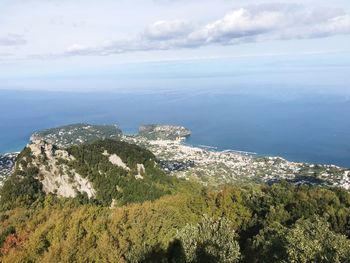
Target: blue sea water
x,y
302,127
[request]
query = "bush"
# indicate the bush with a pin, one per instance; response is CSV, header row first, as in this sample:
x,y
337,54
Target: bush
x,y
211,240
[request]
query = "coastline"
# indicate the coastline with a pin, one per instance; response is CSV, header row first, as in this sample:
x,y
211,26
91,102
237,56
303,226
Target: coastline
x,y
208,164
17,149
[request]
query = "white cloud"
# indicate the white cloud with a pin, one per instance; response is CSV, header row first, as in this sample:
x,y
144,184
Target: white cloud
x,y
240,25
338,25
163,30
274,21
12,40
77,49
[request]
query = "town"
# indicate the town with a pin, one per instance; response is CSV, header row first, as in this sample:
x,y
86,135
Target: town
x,y
7,162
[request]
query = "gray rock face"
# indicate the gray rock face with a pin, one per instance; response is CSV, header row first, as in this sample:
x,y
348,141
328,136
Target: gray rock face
x,y
53,172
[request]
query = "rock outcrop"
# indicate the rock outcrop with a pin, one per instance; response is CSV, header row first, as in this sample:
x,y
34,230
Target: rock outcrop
x,y
54,173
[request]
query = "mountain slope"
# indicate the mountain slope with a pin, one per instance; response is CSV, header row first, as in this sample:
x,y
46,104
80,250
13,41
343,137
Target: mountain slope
x,y
79,133
121,172
108,171
108,201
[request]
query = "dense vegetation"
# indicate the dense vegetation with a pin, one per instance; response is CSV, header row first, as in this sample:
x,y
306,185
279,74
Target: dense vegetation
x,y
106,130
163,219
112,183
118,184
72,134
21,188
279,223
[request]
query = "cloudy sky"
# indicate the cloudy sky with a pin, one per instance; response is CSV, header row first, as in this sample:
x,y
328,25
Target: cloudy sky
x,y
42,39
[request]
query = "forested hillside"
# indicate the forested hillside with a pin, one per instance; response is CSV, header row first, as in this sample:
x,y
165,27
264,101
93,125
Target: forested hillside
x,y
282,223
138,181
140,214
119,172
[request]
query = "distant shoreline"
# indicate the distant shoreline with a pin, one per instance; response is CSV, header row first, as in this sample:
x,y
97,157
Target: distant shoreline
x,y
18,149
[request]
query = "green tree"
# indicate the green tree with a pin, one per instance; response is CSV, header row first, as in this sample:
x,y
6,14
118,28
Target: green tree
x,y
309,240
211,240
313,241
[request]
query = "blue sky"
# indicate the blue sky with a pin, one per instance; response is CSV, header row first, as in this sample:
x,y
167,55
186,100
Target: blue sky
x,y
106,44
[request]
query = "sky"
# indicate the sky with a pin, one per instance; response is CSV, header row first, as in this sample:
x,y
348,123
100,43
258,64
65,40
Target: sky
x,y
107,44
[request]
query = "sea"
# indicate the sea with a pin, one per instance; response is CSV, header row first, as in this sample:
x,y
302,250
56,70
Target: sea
x,y
299,126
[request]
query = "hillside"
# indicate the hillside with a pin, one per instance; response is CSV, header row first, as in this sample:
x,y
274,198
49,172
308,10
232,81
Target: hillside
x,y
109,172
163,132
138,199
282,223
208,166
79,133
